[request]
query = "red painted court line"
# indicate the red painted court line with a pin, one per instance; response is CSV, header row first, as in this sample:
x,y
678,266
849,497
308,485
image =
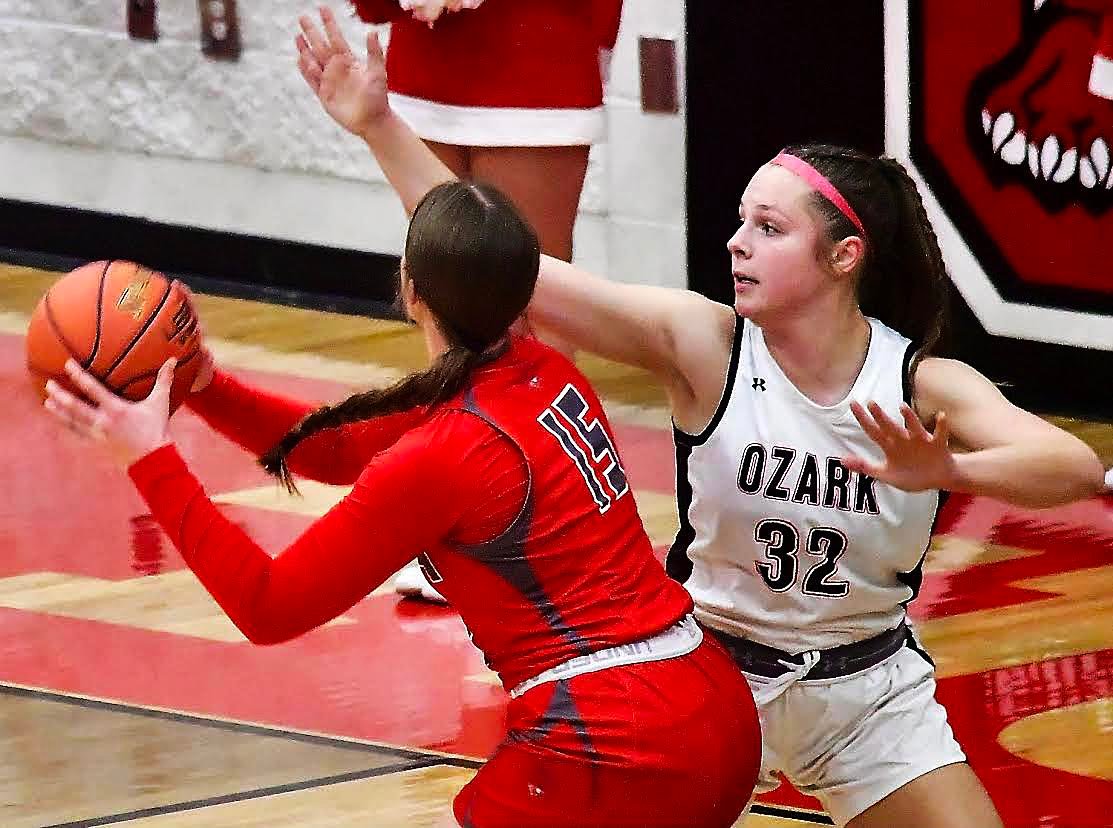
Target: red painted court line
x,y
402,674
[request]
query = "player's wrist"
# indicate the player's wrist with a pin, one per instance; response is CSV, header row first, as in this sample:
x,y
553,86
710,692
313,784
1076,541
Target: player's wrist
x,y
132,455
957,475
375,130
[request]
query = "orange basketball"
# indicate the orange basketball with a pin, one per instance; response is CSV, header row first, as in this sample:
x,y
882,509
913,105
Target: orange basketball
x,y
121,321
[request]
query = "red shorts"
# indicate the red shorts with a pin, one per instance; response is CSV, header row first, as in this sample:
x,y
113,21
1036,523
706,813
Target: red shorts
x,y
662,744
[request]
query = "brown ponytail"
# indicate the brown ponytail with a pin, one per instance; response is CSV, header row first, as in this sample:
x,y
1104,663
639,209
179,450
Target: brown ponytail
x,y
473,260
903,280
440,382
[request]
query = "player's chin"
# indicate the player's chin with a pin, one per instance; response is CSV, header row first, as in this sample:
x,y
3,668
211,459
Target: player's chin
x,y
748,306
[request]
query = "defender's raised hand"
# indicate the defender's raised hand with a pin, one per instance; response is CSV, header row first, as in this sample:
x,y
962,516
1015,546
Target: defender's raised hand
x,y
915,459
352,93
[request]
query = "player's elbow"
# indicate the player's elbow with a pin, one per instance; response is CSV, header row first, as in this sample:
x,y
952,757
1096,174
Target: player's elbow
x,y
1080,477
1092,482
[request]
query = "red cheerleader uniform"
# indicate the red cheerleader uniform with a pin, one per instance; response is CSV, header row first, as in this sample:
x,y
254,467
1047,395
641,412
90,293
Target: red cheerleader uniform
x,y
509,73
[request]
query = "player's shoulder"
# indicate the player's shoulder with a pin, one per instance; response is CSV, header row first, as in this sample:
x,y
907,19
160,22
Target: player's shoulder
x,y
942,377
697,314
449,430
946,384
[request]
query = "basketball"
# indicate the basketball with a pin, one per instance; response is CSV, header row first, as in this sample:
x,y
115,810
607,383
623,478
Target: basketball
x,y
121,321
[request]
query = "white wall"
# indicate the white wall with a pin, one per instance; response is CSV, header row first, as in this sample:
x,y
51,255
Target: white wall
x,y
92,119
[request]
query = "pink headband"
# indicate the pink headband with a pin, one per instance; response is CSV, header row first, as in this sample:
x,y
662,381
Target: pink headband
x,y
820,184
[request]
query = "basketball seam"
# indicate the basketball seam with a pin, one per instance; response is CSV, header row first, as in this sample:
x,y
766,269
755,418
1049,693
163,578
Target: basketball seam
x,y
54,327
100,307
38,368
123,386
39,371
139,334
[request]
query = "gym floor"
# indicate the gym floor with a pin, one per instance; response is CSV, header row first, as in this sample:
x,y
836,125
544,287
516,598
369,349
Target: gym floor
x,y
126,696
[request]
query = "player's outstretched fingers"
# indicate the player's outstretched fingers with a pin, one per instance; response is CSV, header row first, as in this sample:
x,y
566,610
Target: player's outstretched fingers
x,y
317,44
308,66
913,425
868,424
336,40
856,463
941,433
75,414
88,385
892,430
375,50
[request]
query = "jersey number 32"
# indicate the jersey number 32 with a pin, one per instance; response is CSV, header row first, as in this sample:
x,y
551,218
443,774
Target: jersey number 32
x,y
782,546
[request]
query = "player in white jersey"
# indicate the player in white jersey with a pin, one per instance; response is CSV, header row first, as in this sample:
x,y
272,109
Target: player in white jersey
x,y
787,546
812,441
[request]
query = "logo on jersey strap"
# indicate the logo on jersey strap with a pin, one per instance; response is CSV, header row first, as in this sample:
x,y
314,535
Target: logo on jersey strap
x,y
758,383
429,569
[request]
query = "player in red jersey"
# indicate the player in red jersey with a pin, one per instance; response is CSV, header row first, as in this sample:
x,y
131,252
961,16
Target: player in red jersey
x,y
497,466
864,733
508,92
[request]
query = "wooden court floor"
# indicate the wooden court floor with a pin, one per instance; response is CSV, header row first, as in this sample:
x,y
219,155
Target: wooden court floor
x,y
127,698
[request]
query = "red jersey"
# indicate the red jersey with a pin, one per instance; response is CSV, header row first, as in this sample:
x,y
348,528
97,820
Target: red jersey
x,y
513,493
509,73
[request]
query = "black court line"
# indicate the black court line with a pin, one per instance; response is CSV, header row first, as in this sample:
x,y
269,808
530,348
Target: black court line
x,y
257,793
789,813
407,754
411,759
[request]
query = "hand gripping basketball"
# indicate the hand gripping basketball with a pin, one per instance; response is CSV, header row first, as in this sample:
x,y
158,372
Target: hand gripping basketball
x,y
120,321
128,430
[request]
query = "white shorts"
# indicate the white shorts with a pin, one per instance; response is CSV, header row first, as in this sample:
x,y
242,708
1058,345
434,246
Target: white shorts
x,y
853,740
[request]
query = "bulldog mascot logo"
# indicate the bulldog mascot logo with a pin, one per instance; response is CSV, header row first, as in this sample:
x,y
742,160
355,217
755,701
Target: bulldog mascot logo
x,y
1046,108
1004,110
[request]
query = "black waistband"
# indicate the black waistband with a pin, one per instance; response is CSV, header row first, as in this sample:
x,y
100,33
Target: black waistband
x,y
843,660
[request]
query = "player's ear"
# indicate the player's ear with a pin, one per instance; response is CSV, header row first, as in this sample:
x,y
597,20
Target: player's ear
x,y
847,254
407,297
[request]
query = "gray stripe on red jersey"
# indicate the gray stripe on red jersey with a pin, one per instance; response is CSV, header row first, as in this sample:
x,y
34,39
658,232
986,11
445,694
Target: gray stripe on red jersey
x,y
506,554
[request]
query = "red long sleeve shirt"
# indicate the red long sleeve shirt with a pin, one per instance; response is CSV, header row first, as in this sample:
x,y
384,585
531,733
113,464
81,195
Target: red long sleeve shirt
x,y
257,420
513,493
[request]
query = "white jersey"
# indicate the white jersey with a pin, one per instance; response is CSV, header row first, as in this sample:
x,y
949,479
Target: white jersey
x,y
787,547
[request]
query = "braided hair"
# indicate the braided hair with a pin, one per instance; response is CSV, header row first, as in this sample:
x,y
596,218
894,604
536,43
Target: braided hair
x,y
473,259
903,280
